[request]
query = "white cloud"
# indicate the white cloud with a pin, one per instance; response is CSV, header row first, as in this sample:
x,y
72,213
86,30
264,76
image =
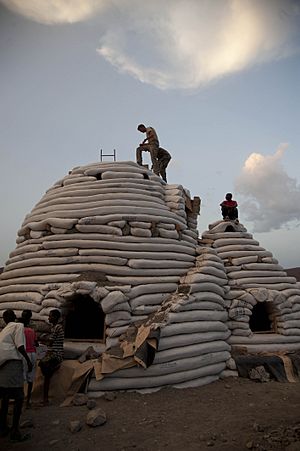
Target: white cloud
x,y
185,44
55,11
272,198
180,43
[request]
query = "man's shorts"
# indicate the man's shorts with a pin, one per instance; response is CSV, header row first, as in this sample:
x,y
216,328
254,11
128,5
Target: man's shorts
x,y
29,375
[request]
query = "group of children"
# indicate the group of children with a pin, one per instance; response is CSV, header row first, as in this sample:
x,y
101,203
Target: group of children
x,y
18,357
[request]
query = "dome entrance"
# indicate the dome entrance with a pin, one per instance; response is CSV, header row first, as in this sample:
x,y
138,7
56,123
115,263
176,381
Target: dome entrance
x,y
260,319
84,319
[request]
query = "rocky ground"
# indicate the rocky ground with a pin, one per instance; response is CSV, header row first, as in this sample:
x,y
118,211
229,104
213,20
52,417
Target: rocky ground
x,y
229,415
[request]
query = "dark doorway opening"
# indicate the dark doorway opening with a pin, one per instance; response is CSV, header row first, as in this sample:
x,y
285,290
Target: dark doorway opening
x,y
260,319
84,319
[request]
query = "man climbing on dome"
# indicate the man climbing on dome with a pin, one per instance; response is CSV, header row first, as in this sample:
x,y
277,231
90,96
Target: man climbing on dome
x,y
160,157
229,209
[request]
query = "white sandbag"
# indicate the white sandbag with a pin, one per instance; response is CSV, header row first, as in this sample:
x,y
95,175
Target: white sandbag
x,y
235,242
193,327
201,305
142,263
109,383
291,291
241,332
71,179
115,331
54,303
291,324
270,260
207,286
17,288
111,300
30,296
262,280
211,269
182,352
145,309
176,366
290,316
142,280
99,241
120,175
203,264
207,296
119,224
149,288
113,317
153,213
122,306
263,267
197,315
66,261
21,249
253,274
244,253
175,341
98,229
244,260
238,325
148,299
43,253
140,224
198,278
171,234
40,279
140,255
135,231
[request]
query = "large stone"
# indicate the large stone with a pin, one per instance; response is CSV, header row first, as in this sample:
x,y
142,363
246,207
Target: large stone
x,y
80,399
96,417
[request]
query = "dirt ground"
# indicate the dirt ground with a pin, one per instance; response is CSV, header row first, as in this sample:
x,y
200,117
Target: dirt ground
x,y
228,415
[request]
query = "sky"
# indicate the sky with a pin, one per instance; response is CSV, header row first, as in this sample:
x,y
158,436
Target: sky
x,y
217,79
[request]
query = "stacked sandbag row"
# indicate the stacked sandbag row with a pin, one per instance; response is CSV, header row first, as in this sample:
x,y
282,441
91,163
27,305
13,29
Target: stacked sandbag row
x,y
112,218
193,348
254,276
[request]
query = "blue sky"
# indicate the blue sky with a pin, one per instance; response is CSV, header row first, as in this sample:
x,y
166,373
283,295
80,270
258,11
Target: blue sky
x,y
218,80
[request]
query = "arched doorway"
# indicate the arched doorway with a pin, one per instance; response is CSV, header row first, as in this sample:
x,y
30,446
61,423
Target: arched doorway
x,y
260,320
84,319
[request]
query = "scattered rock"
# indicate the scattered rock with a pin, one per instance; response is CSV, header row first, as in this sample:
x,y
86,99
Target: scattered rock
x,y
96,417
80,399
109,396
249,445
91,404
53,442
56,422
260,374
75,425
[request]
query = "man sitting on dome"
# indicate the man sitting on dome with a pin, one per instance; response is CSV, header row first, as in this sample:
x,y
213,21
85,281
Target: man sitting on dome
x,y
229,208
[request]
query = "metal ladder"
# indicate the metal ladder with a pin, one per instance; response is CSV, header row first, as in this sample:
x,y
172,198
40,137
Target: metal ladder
x,y
114,155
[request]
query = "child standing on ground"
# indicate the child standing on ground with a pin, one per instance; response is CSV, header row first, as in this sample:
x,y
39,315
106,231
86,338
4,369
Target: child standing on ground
x,y
31,344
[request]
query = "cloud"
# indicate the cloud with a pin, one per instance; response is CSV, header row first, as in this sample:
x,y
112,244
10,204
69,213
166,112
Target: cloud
x,y
186,44
55,11
181,44
272,198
